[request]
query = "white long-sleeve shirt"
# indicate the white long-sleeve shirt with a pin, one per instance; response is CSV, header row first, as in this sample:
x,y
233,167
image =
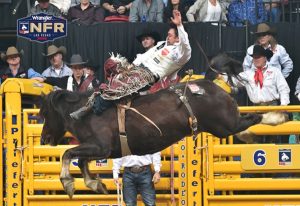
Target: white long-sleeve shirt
x,y
280,59
274,86
135,160
164,59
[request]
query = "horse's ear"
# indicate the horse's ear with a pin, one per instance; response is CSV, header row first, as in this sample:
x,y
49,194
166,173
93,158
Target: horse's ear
x,y
70,97
235,67
73,97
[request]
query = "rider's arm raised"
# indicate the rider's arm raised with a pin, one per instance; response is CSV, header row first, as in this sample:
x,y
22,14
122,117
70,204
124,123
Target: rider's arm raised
x,y
184,44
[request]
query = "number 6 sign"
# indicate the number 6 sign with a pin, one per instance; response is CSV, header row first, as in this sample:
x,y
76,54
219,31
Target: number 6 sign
x,y
259,157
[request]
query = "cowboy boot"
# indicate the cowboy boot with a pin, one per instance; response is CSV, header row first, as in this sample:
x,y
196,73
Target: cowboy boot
x,y
78,114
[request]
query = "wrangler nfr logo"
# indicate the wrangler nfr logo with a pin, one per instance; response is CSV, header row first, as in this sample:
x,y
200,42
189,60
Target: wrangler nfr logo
x,y
42,27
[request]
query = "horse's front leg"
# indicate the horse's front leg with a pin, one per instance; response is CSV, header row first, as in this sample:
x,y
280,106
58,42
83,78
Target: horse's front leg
x,y
84,152
65,177
94,184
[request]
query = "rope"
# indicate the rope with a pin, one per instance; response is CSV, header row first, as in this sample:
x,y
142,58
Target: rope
x,y
21,149
91,99
146,118
190,73
206,59
119,195
172,177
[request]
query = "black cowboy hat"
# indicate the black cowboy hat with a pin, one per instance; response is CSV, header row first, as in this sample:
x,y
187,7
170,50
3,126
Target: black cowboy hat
x,y
76,59
264,29
148,33
260,51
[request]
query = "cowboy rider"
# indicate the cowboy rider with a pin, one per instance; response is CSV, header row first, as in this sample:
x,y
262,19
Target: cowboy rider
x,y
166,58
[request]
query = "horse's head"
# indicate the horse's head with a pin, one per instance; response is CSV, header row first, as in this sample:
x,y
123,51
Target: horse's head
x,y
53,128
222,64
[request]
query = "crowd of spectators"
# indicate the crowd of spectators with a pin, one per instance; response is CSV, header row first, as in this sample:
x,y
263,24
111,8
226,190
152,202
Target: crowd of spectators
x,y
228,12
76,75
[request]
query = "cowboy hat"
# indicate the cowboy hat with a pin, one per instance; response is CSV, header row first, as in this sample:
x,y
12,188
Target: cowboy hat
x,y
264,29
76,59
147,33
260,51
10,52
52,49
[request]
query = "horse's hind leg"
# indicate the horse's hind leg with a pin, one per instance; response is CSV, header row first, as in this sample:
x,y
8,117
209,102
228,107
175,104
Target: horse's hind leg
x,y
270,118
244,123
94,184
247,121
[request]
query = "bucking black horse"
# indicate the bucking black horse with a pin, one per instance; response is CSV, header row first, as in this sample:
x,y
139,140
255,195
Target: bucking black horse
x,y
216,112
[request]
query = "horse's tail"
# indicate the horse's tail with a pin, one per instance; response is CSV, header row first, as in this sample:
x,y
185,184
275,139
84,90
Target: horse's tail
x,y
270,118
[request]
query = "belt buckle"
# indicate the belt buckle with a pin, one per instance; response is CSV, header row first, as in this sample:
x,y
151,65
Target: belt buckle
x,y
136,169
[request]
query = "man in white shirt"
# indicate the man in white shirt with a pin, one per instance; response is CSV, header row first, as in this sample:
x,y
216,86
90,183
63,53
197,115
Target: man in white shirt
x,y
137,177
265,86
264,83
168,56
57,68
162,60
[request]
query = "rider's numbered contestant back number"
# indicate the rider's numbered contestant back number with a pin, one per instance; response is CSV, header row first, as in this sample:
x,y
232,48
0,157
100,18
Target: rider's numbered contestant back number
x,y
271,157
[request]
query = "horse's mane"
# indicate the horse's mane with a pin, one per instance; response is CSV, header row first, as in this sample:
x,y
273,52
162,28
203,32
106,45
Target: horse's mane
x,y
53,99
225,65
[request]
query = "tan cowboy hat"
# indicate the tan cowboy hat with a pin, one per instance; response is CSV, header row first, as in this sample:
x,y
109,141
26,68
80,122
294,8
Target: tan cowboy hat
x,y
264,29
10,52
76,59
52,49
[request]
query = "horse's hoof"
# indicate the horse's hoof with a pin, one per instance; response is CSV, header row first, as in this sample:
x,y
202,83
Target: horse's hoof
x,y
68,185
102,187
97,186
70,191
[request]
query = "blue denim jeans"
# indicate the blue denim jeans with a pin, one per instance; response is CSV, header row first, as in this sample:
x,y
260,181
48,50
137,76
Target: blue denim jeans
x,y
134,183
274,14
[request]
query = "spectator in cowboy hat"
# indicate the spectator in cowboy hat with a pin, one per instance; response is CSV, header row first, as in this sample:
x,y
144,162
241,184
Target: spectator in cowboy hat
x,y
265,38
44,6
58,68
148,39
74,81
15,70
91,82
265,85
